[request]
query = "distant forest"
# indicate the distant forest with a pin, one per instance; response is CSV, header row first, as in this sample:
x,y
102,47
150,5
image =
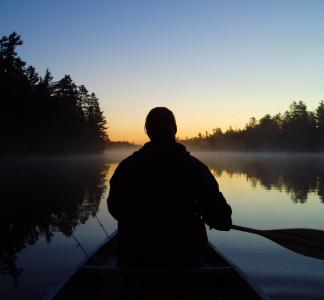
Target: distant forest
x,y
39,115
296,130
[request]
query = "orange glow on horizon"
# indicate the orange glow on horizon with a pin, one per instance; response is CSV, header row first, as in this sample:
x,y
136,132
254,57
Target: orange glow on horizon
x,y
138,136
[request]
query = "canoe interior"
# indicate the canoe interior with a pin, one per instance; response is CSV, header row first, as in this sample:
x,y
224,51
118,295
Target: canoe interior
x,y
100,278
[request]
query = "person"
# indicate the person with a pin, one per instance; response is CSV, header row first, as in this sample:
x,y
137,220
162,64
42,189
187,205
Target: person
x,y
162,197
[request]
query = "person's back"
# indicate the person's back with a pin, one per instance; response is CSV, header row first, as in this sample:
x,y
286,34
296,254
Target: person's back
x,y
161,197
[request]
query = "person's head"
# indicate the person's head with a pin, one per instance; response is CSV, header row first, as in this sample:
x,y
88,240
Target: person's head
x,y
160,125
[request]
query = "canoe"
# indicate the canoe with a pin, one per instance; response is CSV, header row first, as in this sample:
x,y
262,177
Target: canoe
x,y
101,278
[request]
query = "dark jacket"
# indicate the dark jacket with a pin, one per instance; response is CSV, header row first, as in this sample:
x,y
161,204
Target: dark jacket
x,y
161,197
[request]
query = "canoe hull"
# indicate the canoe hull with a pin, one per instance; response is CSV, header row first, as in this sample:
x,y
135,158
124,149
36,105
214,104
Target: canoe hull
x,y
101,278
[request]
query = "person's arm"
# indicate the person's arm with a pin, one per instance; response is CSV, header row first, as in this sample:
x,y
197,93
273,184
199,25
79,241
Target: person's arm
x,y
212,205
112,200
115,193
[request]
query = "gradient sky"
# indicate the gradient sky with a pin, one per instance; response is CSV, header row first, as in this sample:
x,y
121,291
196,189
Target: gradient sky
x,y
214,63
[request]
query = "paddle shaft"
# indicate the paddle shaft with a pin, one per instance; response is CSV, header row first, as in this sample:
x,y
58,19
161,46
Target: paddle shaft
x,y
309,242
246,229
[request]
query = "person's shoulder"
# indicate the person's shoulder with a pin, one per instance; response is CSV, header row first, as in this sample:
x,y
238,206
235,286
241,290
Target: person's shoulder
x,y
194,161
126,168
129,160
203,172
126,165
199,165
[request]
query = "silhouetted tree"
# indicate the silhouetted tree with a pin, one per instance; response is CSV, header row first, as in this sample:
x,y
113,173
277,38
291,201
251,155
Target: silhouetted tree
x,y
296,130
43,196
299,127
319,115
42,116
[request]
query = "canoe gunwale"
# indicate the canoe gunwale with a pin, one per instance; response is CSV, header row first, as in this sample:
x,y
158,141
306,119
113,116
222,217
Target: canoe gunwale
x,y
245,277
55,290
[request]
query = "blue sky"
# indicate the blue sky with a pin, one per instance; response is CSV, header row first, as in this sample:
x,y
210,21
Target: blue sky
x,y
214,63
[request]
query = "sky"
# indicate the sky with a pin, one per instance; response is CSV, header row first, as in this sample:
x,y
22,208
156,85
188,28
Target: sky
x,y
213,63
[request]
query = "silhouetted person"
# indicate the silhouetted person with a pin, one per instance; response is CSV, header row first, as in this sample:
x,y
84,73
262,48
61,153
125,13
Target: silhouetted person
x,y
162,197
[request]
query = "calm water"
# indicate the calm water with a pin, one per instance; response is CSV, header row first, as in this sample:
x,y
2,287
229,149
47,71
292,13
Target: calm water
x,y
51,210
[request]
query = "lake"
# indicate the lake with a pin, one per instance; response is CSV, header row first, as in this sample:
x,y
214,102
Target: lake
x,y
54,213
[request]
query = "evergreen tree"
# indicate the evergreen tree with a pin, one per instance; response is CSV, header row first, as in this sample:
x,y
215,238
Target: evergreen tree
x,y
296,130
42,116
319,116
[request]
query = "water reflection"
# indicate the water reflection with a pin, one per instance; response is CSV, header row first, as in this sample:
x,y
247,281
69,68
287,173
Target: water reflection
x,y
43,196
296,174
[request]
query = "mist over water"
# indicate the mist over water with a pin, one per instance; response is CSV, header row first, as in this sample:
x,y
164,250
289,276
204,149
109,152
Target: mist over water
x,y
49,205
298,174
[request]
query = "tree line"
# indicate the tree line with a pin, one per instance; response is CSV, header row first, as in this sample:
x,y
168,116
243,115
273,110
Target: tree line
x,y
295,130
39,115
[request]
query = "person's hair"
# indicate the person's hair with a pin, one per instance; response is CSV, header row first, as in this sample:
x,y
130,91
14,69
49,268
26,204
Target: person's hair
x,y
160,124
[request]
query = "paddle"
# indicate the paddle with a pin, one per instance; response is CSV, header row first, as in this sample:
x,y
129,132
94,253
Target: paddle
x,y
309,242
